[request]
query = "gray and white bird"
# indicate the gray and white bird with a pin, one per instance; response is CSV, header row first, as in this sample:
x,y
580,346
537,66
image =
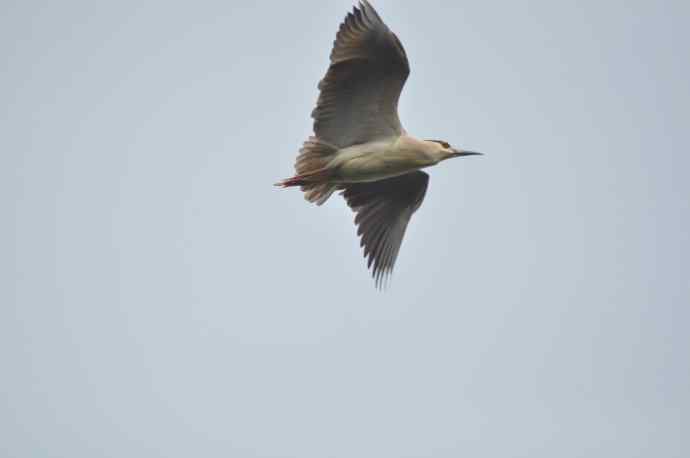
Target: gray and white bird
x,y
359,146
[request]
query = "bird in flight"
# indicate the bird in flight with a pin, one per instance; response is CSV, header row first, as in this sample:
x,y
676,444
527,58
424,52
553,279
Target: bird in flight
x,y
359,146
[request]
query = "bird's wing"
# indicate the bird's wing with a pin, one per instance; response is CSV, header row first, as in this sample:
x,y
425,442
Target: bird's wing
x,y
383,210
359,94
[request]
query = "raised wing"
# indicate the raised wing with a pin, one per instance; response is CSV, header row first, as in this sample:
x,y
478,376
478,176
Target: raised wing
x,y
359,94
383,210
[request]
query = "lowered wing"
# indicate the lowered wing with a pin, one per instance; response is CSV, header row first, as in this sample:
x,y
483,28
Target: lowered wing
x,y
384,209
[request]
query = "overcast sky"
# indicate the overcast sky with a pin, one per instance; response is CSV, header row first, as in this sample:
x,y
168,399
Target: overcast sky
x,y
161,299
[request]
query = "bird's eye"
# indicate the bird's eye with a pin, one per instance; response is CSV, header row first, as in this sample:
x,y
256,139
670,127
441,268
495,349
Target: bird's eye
x,y
441,142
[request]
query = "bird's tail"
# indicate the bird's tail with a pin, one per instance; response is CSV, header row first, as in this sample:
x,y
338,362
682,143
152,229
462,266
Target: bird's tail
x,y
313,176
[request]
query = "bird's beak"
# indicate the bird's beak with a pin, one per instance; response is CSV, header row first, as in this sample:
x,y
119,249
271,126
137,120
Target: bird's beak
x,y
459,152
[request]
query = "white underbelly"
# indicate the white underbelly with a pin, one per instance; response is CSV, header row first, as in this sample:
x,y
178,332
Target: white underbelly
x,y
376,161
372,169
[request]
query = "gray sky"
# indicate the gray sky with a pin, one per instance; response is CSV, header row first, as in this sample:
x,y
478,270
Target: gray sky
x,y
162,299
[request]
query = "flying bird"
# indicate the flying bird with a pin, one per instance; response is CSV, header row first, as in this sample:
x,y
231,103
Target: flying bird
x,y
359,146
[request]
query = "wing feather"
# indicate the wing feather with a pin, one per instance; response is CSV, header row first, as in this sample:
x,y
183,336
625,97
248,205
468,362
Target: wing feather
x,y
360,91
384,209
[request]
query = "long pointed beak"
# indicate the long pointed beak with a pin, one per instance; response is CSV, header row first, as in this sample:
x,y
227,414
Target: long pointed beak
x,y
459,152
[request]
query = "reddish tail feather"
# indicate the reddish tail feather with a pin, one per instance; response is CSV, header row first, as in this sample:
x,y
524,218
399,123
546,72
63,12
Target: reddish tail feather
x,y
313,174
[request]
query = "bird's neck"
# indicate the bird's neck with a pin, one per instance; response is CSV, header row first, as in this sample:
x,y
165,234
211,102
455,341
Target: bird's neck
x,y
427,152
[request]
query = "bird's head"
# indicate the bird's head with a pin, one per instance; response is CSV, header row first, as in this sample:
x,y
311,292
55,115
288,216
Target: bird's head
x,y
445,151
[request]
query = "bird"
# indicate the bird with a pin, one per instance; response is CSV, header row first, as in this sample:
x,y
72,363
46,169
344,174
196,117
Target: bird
x,y
359,146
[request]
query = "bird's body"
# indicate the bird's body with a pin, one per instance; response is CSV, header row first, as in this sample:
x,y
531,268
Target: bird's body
x,y
360,146
381,159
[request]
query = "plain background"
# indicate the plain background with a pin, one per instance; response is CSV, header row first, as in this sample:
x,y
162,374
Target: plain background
x,y
161,299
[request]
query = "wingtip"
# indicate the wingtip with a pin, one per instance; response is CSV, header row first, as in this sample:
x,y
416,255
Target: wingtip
x,y
368,8
382,280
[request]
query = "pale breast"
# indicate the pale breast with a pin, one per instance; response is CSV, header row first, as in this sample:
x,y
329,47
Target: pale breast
x,y
379,160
